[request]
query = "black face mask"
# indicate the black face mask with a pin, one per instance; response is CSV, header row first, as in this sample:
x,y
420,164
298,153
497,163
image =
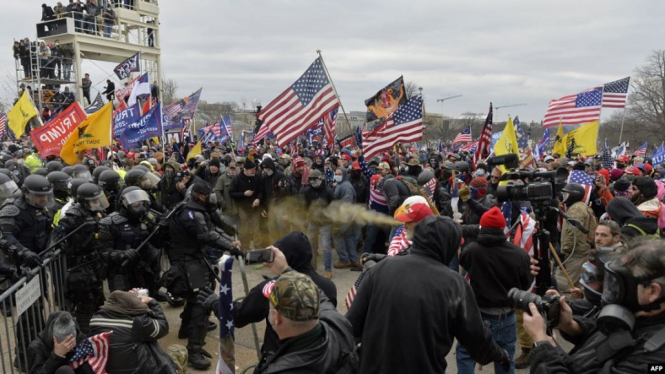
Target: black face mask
x,y
136,213
355,174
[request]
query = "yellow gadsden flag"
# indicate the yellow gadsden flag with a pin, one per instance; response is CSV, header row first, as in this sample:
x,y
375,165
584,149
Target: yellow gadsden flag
x,y
507,143
21,113
93,132
585,139
194,151
559,145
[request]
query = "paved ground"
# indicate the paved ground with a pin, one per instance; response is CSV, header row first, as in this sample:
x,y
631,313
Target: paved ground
x,y
245,351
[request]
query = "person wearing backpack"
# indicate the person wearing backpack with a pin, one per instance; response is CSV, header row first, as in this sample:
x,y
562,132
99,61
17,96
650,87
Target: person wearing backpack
x,y
633,223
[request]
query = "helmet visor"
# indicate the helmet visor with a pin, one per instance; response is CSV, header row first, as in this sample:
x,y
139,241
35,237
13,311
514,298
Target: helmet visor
x,y
8,189
40,199
148,181
97,203
82,175
135,197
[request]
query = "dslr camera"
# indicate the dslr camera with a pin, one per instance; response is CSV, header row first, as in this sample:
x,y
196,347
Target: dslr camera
x,y
548,305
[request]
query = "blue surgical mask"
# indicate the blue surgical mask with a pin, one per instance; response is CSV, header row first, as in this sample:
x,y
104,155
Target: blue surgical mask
x,y
338,178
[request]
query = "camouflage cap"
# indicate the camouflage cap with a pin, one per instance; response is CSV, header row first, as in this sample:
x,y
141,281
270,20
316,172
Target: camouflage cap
x,y
296,297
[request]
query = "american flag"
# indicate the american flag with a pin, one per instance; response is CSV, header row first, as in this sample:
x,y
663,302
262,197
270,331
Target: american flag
x,y
485,141
526,157
263,131
615,93
226,326
399,242
301,105
582,178
607,158
330,127
463,137
94,351
642,150
3,124
524,235
354,289
575,109
471,147
542,144
405,125
223,131
429,188
346,141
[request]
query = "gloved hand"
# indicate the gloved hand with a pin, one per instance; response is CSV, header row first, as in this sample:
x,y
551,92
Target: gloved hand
x,y
131,255
237,252
164,222
24,271
464,193
30,258
208,298
504,361
376,257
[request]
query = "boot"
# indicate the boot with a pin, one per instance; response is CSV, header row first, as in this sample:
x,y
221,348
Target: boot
x,y
183,332
524,361
197,358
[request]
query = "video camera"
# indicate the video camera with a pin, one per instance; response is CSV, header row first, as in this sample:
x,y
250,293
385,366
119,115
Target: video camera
x,y
539,187
548,305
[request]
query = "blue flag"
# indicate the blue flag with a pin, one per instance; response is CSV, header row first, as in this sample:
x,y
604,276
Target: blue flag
x,y
125,118
145,128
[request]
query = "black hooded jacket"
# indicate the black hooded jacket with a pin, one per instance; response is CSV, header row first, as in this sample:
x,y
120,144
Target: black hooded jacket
x,y
270,189
255,307
41,358
631,220
495,266
418,301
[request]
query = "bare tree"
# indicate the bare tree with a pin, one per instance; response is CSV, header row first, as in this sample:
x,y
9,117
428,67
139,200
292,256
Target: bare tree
x,y
647,102
411,89
169,91
243,101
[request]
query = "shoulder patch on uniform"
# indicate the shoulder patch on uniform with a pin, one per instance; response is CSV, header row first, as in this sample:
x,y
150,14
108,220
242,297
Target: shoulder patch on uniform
x,y
118,218
9,211
105,221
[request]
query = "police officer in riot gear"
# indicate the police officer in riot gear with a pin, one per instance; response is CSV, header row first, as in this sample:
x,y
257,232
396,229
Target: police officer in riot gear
x,y
143,178
111,182
54,166
192,230
8,188
25,222
97,172
120,235
85,268
82,172
60,181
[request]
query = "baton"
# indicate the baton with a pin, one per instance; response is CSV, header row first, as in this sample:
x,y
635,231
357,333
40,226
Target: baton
x,y
44,252
154,231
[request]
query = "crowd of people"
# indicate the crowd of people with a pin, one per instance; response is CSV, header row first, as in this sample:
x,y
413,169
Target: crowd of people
x,y
436,259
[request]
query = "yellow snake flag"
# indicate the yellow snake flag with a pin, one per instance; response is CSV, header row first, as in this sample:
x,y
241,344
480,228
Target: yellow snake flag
x,y
194,151
93,132
585,139
507,143
21,113
559,145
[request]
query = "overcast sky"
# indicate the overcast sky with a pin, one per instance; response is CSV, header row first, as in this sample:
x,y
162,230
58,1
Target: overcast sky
x,y
507,52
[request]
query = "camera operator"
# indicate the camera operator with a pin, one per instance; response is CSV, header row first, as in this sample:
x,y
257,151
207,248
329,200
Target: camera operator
x,y
494,266
575,245
630,330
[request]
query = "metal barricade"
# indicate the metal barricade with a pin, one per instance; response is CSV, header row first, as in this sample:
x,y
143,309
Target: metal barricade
x,y
25,305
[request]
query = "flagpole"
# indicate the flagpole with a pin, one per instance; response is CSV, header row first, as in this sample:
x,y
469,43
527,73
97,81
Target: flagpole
x,y
423,109
325,69
623,116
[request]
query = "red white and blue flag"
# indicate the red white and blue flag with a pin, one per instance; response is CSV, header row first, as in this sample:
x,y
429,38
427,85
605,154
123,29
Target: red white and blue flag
x,y
405,126
3,124
301,105
93,351
642,150
575,109
582,178
615,93
485,141
226,326
463,137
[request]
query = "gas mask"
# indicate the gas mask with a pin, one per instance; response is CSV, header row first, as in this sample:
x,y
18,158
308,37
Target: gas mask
x,y
315,183
136,211
268,172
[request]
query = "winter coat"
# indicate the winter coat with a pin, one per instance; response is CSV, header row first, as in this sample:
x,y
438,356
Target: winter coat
x,y
41,358
572,238
168,193
270,185
633,223
586,358
224,200
495,266
419,284
344,190
242,183
396,192
255,307
133,346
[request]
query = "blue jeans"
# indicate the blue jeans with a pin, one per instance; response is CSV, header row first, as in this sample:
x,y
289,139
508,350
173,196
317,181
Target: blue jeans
x,y
371,234
319,236
504,333
346,243
108,27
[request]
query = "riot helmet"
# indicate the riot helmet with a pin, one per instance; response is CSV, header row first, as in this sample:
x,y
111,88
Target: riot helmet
x,y
8,188
140,176
572,193
91,197
60,181
135,203
68,169
204,194
54,166
37,191
73,186
82,172
98,170
40,171
110,180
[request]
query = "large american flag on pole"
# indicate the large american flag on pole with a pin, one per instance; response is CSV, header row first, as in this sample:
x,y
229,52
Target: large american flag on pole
x,y
301,105
485,141
575,109
94,351
642,150
463,137
615,93
404,125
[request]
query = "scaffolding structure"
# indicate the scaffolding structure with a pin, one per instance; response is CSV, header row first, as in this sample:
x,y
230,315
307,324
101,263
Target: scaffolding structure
x,y
90,36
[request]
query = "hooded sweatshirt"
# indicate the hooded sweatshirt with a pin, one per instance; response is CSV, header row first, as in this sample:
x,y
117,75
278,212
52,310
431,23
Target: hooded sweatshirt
x,y
255,307
42,360
419,301
344,190
633,223
169,195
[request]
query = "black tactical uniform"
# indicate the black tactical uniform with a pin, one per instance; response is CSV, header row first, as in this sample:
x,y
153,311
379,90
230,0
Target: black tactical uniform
x,y
85,269
26,224
110,181
121,233
192,231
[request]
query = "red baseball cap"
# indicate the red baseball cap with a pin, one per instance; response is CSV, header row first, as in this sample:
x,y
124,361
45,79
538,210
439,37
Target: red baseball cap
x,y
356,165
413,211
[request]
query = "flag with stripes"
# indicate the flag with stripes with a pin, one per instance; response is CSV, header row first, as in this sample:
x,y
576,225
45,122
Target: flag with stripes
x,y
399,243
607,158
471,147
582,178
642,150
524,235
526,156
346,141
405,125
329,127
615,93
226,327
175,113
354,289
485,141
575,109
93,351
96,104
3,124
301,105
542,145
463,137
223,131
